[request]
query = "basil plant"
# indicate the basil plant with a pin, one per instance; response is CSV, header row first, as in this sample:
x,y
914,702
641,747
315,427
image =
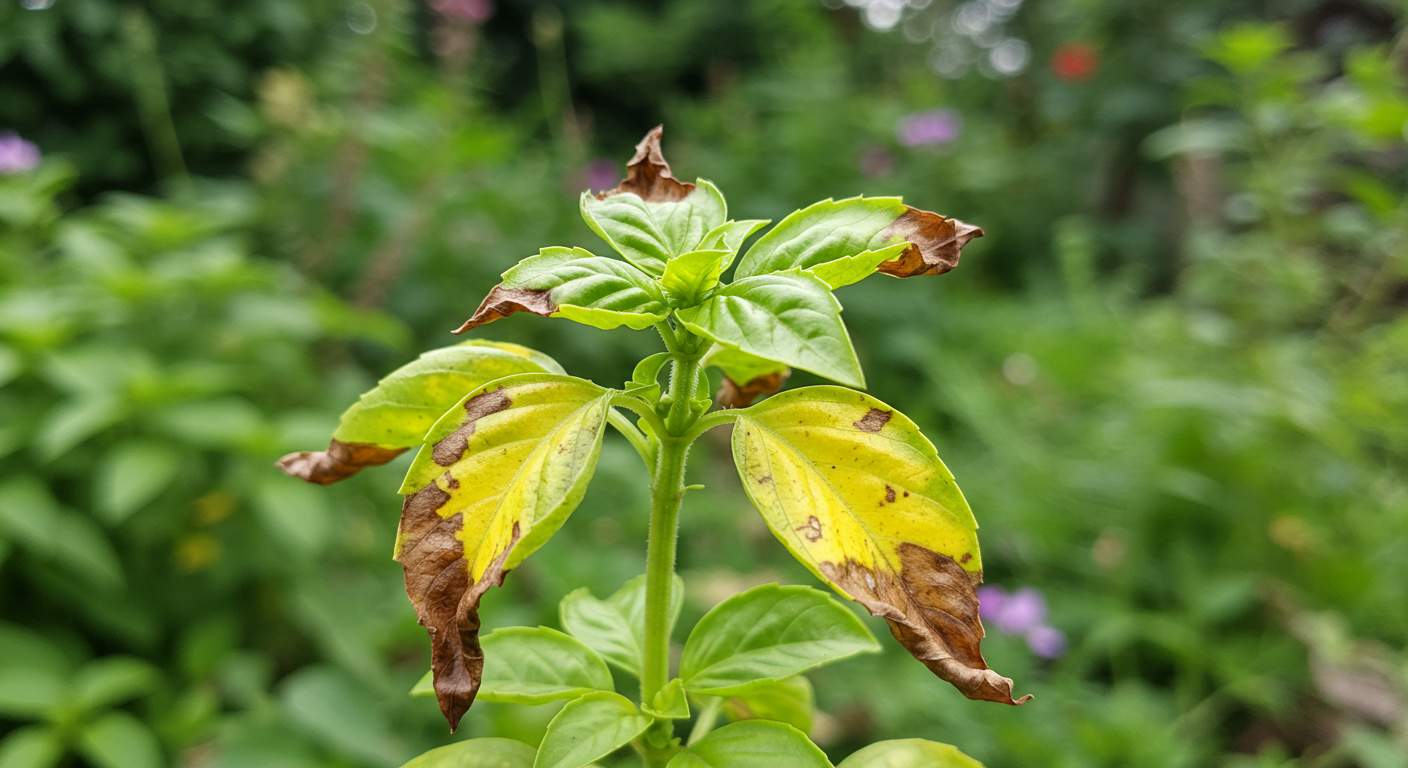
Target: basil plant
x,y
506,443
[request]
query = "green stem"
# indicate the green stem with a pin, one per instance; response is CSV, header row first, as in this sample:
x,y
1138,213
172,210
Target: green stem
x,y
667,494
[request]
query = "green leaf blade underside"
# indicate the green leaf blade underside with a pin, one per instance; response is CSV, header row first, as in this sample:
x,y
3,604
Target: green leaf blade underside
x,y
860,497
909,753
752,744
396,413
788,317
590,728
575,284
477,753
648,233
535,665
497,475
615,627
769,633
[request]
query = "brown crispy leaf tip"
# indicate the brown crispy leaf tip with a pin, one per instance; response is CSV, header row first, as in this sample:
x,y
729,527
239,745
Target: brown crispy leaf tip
x,y
339,462
648,175
931,606
735,395
935,243
503,301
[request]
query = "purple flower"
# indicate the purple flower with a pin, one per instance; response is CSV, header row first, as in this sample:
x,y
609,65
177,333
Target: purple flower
x,y
16,154
472,11
600,175
932,128
1046,642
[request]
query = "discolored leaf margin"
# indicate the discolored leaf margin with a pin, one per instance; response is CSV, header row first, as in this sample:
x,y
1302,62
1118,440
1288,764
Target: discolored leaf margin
x,y
808,460
648,175
338,462
525,483
734,395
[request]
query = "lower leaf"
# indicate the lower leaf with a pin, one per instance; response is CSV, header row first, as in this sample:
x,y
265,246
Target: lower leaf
x,y
752,744
588,729
909,753
477,753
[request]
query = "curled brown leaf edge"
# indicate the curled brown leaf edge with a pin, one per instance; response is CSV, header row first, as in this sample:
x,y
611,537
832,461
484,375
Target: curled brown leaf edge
x,y
339,462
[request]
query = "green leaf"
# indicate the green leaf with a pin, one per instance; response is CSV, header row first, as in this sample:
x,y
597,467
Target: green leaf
x,y
74,421
787,701
788,317
131,475
746,377
909,753
119,740
752,744
575,284
341,714
112,680
296,516
487,752
843,241
589,728
615,627
31,747
769,632
645,379
731,234
395,414
535,665
497,476
33,675
859,496
31,516
670,702
688,277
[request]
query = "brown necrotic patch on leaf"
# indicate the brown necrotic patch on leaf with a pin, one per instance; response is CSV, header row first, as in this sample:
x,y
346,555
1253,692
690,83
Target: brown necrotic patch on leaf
x,y
503,301
734,395
935,243
446,601
451,447
931,606
648,175
339,462
874,420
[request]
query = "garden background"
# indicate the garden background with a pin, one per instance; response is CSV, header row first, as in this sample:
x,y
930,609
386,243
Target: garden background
x,y
1172,378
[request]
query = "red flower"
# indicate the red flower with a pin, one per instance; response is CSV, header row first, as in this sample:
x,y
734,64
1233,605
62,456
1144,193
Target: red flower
x,y
1074,62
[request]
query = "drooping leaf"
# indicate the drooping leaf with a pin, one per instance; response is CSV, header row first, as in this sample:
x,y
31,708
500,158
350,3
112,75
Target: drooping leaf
x,y
690,275
909,753
746,377
670,702
651,216
589,728
615,627
575,284
730,235
498,474
769,632
488,752
395,414
787,701
119,740
752,744
535,665
860,497
787,317
843,241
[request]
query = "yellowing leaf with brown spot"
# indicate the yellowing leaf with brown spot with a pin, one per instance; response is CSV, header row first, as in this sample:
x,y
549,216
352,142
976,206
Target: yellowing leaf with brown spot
x,y
497,475
860,497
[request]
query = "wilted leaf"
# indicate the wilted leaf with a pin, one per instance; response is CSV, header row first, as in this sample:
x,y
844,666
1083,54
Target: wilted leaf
x,y
589,728
769,632
652,216
787,701
859,496
909,753
788,317
843,241
746,377
487,752
395,414
752,744
615,627
575,284
498,474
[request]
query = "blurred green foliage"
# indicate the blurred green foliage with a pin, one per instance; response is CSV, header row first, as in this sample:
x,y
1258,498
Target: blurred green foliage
x,y
1172,379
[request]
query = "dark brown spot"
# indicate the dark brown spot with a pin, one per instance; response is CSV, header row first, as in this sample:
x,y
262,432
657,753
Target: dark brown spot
x,y
503,301
906,494
339,462
763,479
734,395
873,421
966,557
452,446
890,494
451,482
931,606
812,530
648,175
935,243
